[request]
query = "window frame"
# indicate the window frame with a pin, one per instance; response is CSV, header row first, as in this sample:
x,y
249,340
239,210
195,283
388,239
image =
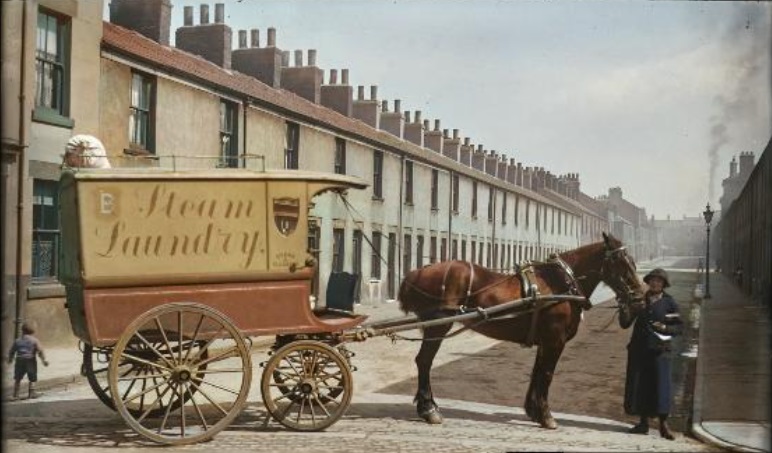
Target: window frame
x,y
409,182
419,251
139,113
432,249
455,187
338,249
292,146
407,254
377,174
58,115
375,256
229,154
435,189
474,199
339,164
42,189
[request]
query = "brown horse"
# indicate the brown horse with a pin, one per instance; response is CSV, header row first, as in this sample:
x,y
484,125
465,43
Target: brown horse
x,y
440,290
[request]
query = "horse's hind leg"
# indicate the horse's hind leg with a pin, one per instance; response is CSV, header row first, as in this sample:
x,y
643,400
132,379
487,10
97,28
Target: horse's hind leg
x,y
425,405
536,400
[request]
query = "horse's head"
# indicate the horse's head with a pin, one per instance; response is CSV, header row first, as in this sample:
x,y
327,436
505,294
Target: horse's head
x,y
618,272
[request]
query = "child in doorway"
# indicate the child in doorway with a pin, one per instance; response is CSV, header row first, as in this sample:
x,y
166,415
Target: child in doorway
x,y
25,349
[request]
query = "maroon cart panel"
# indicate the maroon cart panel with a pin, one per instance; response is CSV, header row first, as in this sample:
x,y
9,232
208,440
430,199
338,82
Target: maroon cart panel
x,y
256,308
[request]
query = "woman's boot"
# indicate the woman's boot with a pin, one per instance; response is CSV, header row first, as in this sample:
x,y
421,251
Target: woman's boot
x,y
664,430
641,428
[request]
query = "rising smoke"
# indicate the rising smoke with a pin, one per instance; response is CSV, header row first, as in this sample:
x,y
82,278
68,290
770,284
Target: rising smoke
x,y
746,41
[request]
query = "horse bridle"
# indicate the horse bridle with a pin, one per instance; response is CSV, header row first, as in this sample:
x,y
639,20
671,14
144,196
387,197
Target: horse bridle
x,y
623,291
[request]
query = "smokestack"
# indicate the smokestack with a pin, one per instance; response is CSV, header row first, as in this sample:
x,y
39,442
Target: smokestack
x,y
255,38
204,11
219,13
188,19
271,37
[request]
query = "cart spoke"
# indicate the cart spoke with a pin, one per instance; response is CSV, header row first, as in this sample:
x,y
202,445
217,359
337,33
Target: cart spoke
x,y
195,336
198,409
150,376
220,356
220,387
143,361
152,348
147,412
133,397
166,413
163,333
220,370
204,394
322,406
287,375
300,409
206,345
289,362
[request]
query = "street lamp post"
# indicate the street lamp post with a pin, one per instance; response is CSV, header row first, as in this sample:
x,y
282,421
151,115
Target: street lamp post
x,y
708,214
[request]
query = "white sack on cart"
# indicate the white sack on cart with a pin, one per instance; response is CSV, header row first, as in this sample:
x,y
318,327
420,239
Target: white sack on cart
x,y
85,151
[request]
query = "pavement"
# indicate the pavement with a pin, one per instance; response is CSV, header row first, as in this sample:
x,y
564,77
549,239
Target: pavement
x,y
732,388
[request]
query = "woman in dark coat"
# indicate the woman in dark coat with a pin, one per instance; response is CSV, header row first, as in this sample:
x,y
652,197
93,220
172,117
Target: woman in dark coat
x,y
648,383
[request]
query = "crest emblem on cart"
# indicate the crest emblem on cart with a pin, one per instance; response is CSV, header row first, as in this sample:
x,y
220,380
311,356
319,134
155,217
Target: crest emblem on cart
x,y
285,214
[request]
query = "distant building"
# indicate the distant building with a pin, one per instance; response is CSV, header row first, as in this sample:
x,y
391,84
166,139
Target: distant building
x,y
734,183
681,237
630,224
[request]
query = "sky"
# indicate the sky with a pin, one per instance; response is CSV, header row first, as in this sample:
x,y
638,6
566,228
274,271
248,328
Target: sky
x,y
654,97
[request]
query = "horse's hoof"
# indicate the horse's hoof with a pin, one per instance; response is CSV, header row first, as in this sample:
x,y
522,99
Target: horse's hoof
x,y
432,417
549,423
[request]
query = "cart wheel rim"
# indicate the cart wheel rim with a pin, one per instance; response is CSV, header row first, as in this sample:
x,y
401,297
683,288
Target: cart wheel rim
x,y
307,385
193,385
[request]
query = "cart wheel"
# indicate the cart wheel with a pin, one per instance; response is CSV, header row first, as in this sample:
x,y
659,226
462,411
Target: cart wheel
x,y
307,385
96,365
203,372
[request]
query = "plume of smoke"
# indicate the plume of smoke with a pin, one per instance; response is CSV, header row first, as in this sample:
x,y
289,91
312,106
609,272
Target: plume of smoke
x,y
749,32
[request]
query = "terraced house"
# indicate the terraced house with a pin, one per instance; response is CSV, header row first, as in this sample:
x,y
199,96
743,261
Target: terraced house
x,y
433,195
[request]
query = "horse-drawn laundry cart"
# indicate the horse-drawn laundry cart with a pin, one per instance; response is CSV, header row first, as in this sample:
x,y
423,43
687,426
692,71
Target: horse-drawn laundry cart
x,y
168,274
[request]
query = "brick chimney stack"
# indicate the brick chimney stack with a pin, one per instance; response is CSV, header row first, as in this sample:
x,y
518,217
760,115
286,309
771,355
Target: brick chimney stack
x,y
305,81
478,159
451,146
414,130
209,41
393,122
262,63
501,172
150,18
465,152
366,110
746,163
733,167
433,139
511,171
338,97
491,163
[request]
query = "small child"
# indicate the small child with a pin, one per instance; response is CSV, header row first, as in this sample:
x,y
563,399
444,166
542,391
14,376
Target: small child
x,y
26,349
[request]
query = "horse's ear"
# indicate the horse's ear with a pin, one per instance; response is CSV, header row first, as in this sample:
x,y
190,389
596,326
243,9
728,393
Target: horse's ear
x,y
605,238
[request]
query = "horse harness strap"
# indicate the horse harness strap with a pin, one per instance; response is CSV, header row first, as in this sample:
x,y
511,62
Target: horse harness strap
x,y
530,289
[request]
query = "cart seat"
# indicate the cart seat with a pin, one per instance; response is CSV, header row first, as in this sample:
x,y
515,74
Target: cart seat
x,y
340,296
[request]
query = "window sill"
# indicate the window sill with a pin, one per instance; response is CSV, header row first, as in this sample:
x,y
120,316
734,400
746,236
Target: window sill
x,y
435,210
52,118
378,199
45,290
409,204
138,152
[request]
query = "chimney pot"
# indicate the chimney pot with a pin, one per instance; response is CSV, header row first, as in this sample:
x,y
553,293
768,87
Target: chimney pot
x,y
272,37
479,148
242,39
455,134
344,76
204,11
397,105
298,58
467,141
436,125
285,58
188,11
417,118
255,37
384,105
426,125
373,92
361,92
219,13
445,133
407,116
311,57
333,76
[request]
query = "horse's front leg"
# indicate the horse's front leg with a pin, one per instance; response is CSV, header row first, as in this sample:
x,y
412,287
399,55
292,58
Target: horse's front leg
x,y
536,400
425,405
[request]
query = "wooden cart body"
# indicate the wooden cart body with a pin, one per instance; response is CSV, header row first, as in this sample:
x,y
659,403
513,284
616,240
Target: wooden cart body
x,y
234,240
